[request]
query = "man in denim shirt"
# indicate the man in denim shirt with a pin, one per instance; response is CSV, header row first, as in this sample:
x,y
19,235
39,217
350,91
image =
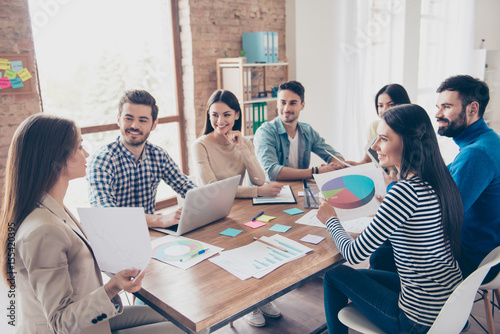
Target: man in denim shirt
x,y
284,145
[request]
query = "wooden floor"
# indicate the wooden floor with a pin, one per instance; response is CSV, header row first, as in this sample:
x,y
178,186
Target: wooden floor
x,y
303,312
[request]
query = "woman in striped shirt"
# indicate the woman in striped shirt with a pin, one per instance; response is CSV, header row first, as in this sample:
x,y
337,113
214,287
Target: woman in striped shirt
x,y
422,217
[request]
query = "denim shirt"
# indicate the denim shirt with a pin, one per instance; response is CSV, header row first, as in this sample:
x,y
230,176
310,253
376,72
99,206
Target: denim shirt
x,y
272,147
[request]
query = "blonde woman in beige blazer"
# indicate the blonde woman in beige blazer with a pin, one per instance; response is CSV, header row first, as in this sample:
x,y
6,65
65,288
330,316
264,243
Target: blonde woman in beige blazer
x,y
58,283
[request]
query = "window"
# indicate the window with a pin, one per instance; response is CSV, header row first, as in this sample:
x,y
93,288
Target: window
x,y
90,51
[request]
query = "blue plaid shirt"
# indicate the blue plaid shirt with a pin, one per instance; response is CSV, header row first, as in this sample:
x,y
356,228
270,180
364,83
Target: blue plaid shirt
x,y
115,180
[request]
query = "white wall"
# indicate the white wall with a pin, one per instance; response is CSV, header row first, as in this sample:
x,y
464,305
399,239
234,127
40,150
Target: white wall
x,y
488,27
316,49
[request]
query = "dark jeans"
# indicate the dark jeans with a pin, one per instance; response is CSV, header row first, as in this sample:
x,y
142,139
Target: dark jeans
x,y
383,259
374,292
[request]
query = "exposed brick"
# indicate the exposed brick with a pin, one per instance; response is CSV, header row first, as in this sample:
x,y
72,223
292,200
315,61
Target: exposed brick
x,y
15,32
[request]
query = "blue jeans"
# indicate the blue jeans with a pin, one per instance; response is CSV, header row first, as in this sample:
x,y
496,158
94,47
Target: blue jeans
x,y
374,292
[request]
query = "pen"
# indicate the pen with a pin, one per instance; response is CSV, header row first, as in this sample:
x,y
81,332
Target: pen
x,y
257,179
195,254
342,162
269,244
314,199
260,214
305,192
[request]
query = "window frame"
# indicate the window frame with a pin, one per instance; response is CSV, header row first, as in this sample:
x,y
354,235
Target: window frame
x,y
178,118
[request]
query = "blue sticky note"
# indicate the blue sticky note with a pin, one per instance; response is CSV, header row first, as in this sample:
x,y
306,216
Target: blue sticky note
x,y
16,65
16,83
280,228
231,232
294,211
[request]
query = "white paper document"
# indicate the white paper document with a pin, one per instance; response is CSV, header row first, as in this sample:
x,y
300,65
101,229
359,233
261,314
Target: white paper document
x,y
312,239
182,252
284,197
353,226
357,225
119,237
258,259
311,219
352,191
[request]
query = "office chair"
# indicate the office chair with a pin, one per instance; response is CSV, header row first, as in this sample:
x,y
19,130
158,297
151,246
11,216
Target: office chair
x,y
452,317
489,305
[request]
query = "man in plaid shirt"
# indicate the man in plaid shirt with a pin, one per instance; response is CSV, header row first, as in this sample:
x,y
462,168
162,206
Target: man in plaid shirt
x,y
127,172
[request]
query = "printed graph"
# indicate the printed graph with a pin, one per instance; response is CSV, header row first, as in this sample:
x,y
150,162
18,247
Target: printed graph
x,y
349,191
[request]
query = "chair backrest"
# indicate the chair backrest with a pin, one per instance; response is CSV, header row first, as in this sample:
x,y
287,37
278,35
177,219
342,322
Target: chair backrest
x,y
456,310
493,284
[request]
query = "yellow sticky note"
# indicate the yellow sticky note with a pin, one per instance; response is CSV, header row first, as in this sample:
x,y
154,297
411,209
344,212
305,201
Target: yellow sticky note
x,y
265,218
24,74
4,64
11,74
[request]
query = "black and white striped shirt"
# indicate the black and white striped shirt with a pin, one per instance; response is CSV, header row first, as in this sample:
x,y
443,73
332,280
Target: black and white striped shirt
x,y
410,217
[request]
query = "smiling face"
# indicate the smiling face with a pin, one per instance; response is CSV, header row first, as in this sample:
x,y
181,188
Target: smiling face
x,y
451,115
136,123
76,164
384,102
289,106
389,146
222,118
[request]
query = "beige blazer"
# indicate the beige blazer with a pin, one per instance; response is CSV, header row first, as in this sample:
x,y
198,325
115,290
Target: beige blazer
x,y
59,285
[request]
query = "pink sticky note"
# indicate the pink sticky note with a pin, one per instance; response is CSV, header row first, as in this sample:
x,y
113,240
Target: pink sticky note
x,y
4,83
255,224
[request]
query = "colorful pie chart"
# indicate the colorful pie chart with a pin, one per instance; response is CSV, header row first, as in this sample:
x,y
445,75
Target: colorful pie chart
x,y
349,191
177,250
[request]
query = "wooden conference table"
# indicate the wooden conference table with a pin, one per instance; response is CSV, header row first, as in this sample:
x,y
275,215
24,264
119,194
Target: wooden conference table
x,y
206,297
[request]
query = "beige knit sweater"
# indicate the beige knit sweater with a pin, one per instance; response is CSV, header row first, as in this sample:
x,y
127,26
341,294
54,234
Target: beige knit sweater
x,y
216,162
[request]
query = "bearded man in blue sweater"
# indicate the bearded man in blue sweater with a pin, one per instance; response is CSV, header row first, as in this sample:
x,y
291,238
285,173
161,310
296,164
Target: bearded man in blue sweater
x,y
476,169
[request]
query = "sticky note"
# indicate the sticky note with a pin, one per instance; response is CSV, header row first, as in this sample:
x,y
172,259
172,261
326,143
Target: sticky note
x,y
280,228
24,74
231,232
255,224
265,218
10,73
312,239
16,83
16,65
294,211
4,83
4,64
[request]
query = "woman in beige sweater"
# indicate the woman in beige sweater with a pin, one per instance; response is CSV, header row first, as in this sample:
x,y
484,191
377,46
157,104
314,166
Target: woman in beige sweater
x,y
222,151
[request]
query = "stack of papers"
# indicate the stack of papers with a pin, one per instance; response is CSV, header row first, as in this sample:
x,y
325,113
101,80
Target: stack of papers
x,y
258,259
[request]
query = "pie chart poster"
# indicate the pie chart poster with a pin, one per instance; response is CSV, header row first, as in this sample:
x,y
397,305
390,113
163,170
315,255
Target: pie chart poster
x,y
352,191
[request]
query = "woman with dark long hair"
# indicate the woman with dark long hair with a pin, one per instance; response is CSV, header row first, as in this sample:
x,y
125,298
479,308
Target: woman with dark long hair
x,y
222,152
422,217
44,252
389,96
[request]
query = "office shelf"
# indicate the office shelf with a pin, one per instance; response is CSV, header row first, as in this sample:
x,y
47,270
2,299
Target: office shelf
x,y
236,75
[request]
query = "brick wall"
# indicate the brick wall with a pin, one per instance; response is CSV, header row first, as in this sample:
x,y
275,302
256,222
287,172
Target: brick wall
x,y
209,30
212,29
15,37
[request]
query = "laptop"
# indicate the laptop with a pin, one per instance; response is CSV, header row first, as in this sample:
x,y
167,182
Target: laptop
x,y
205,205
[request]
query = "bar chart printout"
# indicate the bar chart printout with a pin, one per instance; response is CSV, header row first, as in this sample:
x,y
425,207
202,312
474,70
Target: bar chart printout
x,y
257,259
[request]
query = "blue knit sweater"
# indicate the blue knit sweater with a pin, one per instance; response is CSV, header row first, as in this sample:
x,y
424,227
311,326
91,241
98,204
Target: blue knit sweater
x,y
476,171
